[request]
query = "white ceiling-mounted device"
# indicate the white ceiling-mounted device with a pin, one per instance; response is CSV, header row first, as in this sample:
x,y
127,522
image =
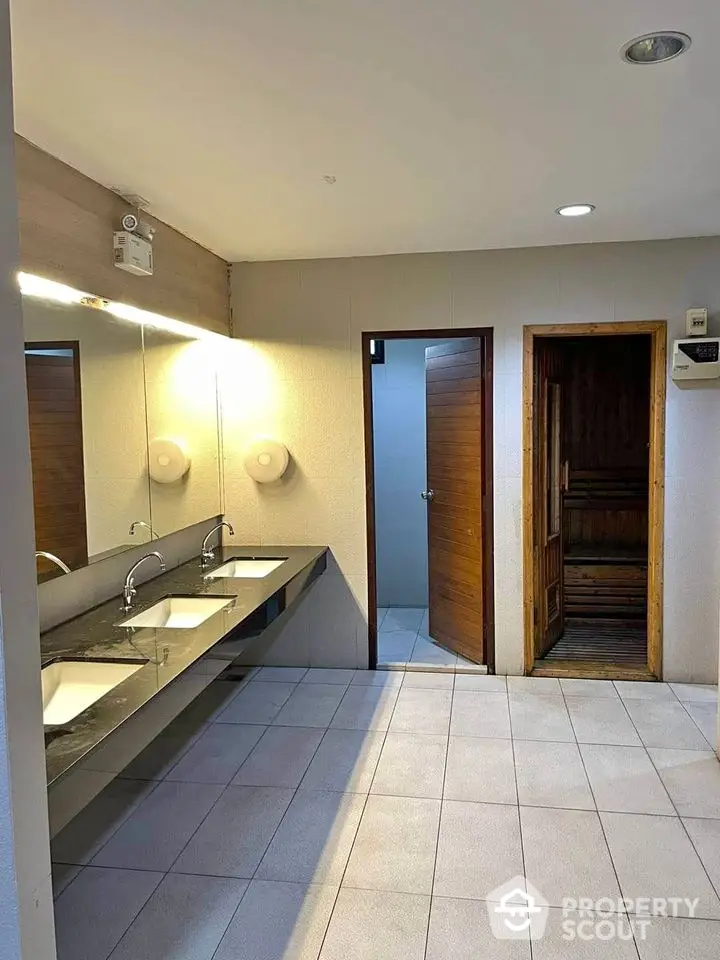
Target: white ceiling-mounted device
x,y
696,359
696,322
133,252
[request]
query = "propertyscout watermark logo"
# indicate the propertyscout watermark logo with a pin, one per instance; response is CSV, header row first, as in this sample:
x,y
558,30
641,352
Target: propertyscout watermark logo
x,y
518,911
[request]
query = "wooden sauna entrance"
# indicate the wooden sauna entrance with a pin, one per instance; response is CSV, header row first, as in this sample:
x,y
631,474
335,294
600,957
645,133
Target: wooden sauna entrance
x,y
594,401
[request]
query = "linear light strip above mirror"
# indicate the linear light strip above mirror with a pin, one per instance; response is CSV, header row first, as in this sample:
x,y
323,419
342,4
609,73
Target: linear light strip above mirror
x,y
34,286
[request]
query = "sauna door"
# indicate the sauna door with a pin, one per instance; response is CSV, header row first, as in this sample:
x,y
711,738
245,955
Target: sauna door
x,y
550,469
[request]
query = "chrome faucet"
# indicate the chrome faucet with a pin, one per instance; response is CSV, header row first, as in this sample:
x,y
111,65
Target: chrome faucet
x,y
129,590
142,523
51,556
208,553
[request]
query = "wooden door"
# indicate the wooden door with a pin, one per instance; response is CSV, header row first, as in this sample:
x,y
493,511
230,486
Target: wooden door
x,y
454,391
56,448
550,472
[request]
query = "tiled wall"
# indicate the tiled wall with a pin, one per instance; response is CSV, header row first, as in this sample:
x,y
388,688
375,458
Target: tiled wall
x,y
297,375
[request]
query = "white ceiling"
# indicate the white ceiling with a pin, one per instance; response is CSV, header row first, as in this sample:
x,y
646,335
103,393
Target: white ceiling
x,y
449,124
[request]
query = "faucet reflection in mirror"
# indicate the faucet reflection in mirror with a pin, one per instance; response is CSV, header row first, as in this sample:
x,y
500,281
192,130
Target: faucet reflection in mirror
x,y
141,523
53,559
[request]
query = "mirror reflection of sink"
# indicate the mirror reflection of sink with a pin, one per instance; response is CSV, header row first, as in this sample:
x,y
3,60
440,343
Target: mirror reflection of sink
x,y
71,686
178,613
251,568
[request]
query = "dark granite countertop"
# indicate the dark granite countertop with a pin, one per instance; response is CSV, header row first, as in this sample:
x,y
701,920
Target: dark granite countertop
x,y
96,635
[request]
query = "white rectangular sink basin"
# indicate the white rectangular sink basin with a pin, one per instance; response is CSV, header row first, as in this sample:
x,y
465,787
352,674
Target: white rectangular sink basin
x,y
71,686
178,613
251,569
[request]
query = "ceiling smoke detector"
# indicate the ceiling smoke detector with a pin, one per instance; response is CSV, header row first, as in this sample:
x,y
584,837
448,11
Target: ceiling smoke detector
x,y
656,47
576,210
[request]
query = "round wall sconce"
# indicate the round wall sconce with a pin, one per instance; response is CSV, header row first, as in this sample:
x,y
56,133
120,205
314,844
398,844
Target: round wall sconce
x,y
266,460
169,460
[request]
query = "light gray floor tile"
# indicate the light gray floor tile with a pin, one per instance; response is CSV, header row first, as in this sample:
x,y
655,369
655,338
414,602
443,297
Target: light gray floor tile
x,y
602,721
156,832
257,702
664,723
329,675
315,838
345,761
281,674
541,717
678,939
705,837
217,754
429,680
478,850
692,779
403,618
695,692
376,925
566,855
278,921
311,705
233,839
551,775
653,857
427,651
643,690
422,711
705,716
395,845
480,715
96,910
411,765
539,686
280,758
460,930
63,875
600,689
378,678
160,756
480,683
396,647
81,839
624,780
481,770
584,945
366,708
185,917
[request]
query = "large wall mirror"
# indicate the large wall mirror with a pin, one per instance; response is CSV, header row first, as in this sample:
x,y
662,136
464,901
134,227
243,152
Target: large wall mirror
x,y
112,407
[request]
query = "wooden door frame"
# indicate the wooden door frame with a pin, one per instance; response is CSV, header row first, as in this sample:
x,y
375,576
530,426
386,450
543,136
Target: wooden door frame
x,y
486,335
657,329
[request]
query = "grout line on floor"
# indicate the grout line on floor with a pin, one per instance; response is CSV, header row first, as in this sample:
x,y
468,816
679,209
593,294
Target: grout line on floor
x,y
602,827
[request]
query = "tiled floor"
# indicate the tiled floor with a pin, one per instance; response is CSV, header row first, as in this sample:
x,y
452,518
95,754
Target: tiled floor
x,y
369,816
404,643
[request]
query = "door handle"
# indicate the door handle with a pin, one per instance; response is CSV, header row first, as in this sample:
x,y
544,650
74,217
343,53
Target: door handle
x,y
428,494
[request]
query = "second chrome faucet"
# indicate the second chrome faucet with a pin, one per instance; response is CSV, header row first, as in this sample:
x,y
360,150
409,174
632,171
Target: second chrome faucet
x,y
129,590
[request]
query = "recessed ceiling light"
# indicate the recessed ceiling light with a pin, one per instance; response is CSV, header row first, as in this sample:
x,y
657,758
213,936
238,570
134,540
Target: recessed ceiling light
x,y
656,47
576,210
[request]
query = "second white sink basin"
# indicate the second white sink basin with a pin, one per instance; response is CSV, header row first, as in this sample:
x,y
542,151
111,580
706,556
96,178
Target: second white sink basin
x,y
255,568
178,613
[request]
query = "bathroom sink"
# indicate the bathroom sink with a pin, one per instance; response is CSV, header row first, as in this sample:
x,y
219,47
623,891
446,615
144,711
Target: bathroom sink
x,y
71,686
251,568
178,613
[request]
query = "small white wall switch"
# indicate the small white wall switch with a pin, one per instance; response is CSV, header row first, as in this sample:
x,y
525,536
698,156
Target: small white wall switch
x,y
696,322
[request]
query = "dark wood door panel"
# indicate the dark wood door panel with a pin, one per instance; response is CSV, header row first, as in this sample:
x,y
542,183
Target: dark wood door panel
x,y
454,381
